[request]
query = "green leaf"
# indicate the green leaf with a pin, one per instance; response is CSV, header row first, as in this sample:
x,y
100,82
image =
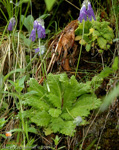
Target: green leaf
x,y
3,136
26,41
54,90
54,100
70,93
54,112
13,71
27,22
40,118
87,27
34,86
56,124
88,47
16,130
86,38
44,16
115,65
96,82
37,103
84,104
66,116
20,84
96,33
32,130
110,98
102,42
116,40
108,36
56,103
2,122
68,128
49,4
106,72
22,1
48,131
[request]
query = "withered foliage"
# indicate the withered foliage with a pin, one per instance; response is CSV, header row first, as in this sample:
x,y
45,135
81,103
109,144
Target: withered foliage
x,y
60,48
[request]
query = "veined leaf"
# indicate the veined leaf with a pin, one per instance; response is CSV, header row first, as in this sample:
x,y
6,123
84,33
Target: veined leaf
x,y
68,128
56,124
37,103
96,33
48,131
115,65
53,82
54,112
55,95
55,104
106,72
96,82
102,42
86,38
84,104
79,37
49,4
40,118
54,100
36,87
71,92
88,47
66,116
27,22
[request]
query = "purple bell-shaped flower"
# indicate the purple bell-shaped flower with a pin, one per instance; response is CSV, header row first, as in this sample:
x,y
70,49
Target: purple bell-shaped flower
x,y
86,12
39,27
90,12
41,32
33,35
12,23
83,13
41,50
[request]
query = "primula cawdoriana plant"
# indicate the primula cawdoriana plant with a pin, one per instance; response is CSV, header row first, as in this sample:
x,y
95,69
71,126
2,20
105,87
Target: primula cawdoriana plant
x,y
61,103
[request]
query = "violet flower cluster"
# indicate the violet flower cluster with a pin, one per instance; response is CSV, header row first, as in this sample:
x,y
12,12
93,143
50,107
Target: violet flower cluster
x,y
86,12
38,27
12,23
41,50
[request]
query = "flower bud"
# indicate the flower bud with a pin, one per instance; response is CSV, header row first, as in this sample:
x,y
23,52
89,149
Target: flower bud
x,y
12,23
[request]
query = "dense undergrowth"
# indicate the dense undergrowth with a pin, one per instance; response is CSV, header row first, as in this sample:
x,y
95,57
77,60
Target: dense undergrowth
x,y
58,87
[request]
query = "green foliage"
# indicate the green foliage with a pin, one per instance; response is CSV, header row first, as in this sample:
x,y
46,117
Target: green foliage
x,y
56,142
115,65
49,4
60,100
19,84
110,98
27,22
95,33
106,72
2,122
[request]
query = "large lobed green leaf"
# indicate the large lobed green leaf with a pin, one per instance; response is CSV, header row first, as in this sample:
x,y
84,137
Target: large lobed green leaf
x,y
84,104
56,103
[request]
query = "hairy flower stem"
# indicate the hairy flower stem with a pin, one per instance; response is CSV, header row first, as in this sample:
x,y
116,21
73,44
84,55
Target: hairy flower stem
x,y
43,66
80,50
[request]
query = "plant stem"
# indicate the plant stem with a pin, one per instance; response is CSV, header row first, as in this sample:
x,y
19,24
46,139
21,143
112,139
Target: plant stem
x,y
80,50
22,120
43,67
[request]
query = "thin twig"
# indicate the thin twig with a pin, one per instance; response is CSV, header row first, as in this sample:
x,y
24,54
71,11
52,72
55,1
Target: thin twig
x,y
72,4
